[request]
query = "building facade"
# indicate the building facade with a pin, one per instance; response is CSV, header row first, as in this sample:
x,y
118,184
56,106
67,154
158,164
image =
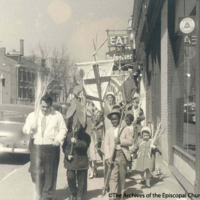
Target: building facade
x,y
8,70
168,80
19,74
27,72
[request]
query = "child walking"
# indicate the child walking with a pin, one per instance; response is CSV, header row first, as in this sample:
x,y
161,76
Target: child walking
x,y
145,155
119,141
77,164
129,124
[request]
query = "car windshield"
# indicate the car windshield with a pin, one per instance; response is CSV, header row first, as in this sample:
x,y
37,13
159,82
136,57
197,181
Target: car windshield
x,y
12,116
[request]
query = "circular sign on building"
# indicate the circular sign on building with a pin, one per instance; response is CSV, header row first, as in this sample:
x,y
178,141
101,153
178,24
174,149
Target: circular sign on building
x,y
187,25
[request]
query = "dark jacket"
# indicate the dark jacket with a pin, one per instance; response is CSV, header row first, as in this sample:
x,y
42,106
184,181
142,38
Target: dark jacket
x,y
80,159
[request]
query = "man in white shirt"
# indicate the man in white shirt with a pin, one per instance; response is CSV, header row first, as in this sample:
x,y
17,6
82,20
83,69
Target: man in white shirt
x,y
48,134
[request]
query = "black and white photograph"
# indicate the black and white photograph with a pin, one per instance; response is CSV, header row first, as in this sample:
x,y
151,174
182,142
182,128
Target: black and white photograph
x,y
99,99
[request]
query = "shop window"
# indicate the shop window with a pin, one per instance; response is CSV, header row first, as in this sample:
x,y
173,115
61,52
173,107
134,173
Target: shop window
x,y
185,90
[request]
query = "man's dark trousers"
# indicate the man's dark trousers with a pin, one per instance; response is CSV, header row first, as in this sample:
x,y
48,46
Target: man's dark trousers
x,y
44,160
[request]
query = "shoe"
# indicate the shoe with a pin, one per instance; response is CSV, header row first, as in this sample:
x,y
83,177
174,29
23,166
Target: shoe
x,y
142,181
108,189
95,174
72,198
91,176
148,184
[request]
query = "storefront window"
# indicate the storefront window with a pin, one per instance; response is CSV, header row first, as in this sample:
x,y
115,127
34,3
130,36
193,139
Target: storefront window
x,y
189,98
186,102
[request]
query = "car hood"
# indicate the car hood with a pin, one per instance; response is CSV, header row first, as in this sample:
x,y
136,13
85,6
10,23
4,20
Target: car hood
x,y
10,130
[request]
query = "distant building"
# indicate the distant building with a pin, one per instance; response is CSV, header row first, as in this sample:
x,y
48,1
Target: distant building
x,y
8,70
19,72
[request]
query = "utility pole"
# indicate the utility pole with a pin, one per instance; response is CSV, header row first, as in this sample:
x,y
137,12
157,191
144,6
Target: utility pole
x,y
197,164
1,78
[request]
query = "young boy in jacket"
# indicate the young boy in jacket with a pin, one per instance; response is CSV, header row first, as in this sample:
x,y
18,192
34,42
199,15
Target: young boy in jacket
x,y
117,140
76,161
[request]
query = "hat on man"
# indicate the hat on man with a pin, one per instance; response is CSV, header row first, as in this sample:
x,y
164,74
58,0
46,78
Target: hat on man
x,y
146,129
116,106
114,111
110,93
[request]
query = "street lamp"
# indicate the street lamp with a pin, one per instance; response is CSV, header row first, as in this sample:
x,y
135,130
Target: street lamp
x,y
1,78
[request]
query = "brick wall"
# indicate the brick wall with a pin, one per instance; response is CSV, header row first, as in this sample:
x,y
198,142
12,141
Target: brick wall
x,y
153,96
165,83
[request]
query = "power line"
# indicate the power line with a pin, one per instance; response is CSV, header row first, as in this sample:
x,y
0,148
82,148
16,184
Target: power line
x,y
118,21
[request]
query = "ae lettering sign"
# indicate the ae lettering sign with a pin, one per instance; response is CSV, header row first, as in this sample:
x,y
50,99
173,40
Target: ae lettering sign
x,y
190,40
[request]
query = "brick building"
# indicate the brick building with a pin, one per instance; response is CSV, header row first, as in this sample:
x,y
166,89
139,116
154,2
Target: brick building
x,y
8,70
19,73
167,61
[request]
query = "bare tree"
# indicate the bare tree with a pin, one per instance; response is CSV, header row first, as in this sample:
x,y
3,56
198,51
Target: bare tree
x,y
60,67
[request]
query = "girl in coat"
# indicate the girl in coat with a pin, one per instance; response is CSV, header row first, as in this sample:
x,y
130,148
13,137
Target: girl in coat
x,y
145,155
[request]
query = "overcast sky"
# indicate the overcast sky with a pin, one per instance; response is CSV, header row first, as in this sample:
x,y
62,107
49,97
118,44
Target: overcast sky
x,y
71,22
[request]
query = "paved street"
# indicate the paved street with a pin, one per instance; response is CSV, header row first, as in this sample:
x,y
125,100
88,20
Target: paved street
x,y
9,163
18,186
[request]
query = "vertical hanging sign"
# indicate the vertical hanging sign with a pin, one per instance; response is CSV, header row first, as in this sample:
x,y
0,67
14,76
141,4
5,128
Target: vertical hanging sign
x,y
187,29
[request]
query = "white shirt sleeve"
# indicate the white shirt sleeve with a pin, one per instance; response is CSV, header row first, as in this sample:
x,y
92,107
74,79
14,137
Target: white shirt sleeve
x,y
28,123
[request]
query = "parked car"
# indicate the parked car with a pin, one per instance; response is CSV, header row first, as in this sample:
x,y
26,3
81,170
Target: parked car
x,y
190,113
12,119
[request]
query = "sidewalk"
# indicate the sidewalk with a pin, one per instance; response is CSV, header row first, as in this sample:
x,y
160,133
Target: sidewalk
x,y
18,186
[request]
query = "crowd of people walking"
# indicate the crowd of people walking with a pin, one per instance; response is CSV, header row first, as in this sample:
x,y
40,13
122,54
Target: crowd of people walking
x,y
115,138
